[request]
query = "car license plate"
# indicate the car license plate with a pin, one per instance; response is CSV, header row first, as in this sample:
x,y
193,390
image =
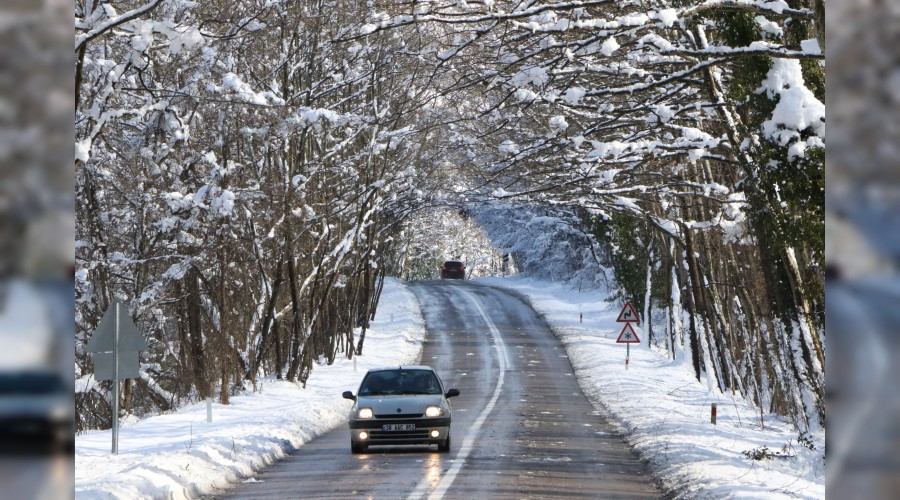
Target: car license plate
x,y
398,427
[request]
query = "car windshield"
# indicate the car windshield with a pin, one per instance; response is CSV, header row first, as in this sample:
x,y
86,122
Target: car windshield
x,y
453,265
394,382
30,383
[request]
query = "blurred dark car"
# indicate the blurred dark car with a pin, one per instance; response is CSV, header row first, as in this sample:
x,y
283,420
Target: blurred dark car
x,y
453,269
36,410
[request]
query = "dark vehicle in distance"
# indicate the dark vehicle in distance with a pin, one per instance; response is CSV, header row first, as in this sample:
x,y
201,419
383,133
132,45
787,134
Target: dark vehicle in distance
x,y
453,269
398,406
36,410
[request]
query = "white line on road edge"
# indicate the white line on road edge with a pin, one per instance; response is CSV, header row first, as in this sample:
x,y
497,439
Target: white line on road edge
x,y
466,447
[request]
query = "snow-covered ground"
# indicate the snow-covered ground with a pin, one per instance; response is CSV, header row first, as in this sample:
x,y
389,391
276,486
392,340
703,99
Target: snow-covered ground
x,y
182,455
665,411
662,409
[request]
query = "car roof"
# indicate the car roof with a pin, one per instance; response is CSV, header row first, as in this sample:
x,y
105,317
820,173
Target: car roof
x,y
453,260
401,367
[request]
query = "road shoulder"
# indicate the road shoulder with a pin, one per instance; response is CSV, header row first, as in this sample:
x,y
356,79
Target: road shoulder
x,y
664,411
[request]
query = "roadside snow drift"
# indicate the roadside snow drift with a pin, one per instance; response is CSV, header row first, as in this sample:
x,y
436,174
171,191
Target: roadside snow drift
x,y
664,411
180,455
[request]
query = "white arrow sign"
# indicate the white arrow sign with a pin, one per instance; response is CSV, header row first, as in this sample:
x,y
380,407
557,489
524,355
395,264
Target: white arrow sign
x,y
107,339
115,345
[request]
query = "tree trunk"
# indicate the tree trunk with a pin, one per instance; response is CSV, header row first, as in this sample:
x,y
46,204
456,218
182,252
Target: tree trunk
x,y
194,319
223,388
279,355
267,323
647,308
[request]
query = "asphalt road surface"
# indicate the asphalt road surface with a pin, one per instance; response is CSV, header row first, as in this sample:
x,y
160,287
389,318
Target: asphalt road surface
x,y
36,474
521,428
863,395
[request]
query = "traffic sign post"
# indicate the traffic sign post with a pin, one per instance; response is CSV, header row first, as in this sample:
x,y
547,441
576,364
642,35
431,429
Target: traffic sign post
x,y
628,336
115,345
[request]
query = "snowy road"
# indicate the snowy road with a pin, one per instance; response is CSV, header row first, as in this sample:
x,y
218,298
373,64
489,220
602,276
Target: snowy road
x,y
521,427
34,475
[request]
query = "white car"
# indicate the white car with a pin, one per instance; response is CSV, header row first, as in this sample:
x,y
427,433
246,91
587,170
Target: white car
x,y
400,405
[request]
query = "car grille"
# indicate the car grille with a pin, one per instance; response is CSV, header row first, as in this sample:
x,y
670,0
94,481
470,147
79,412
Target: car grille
x,y
396,416
394,436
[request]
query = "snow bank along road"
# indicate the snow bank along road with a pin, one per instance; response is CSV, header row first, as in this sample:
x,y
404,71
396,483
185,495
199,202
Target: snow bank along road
x,y
521,427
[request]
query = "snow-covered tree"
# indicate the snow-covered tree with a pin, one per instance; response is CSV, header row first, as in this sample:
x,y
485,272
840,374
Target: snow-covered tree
x,y
240,175
248,171
701,122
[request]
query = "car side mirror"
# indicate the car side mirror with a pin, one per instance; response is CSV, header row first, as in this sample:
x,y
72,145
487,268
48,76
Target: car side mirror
x,y
349,395
452,393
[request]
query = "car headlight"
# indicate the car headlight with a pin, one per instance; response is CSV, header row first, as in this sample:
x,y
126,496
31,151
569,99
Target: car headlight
x,y
433,411
59,413
365,413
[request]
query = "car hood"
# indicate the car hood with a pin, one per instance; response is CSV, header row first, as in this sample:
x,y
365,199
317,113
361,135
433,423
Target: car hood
x,y
388,405
36,406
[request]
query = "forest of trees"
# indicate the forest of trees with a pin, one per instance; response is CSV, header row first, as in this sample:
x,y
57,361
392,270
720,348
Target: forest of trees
x,y
247,173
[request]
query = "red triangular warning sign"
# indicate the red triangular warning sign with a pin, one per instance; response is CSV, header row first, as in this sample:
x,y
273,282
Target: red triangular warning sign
x,y
628,314
628,336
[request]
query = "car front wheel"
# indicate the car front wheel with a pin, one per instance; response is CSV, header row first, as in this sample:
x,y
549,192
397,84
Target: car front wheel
x,y
445,446
358,448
